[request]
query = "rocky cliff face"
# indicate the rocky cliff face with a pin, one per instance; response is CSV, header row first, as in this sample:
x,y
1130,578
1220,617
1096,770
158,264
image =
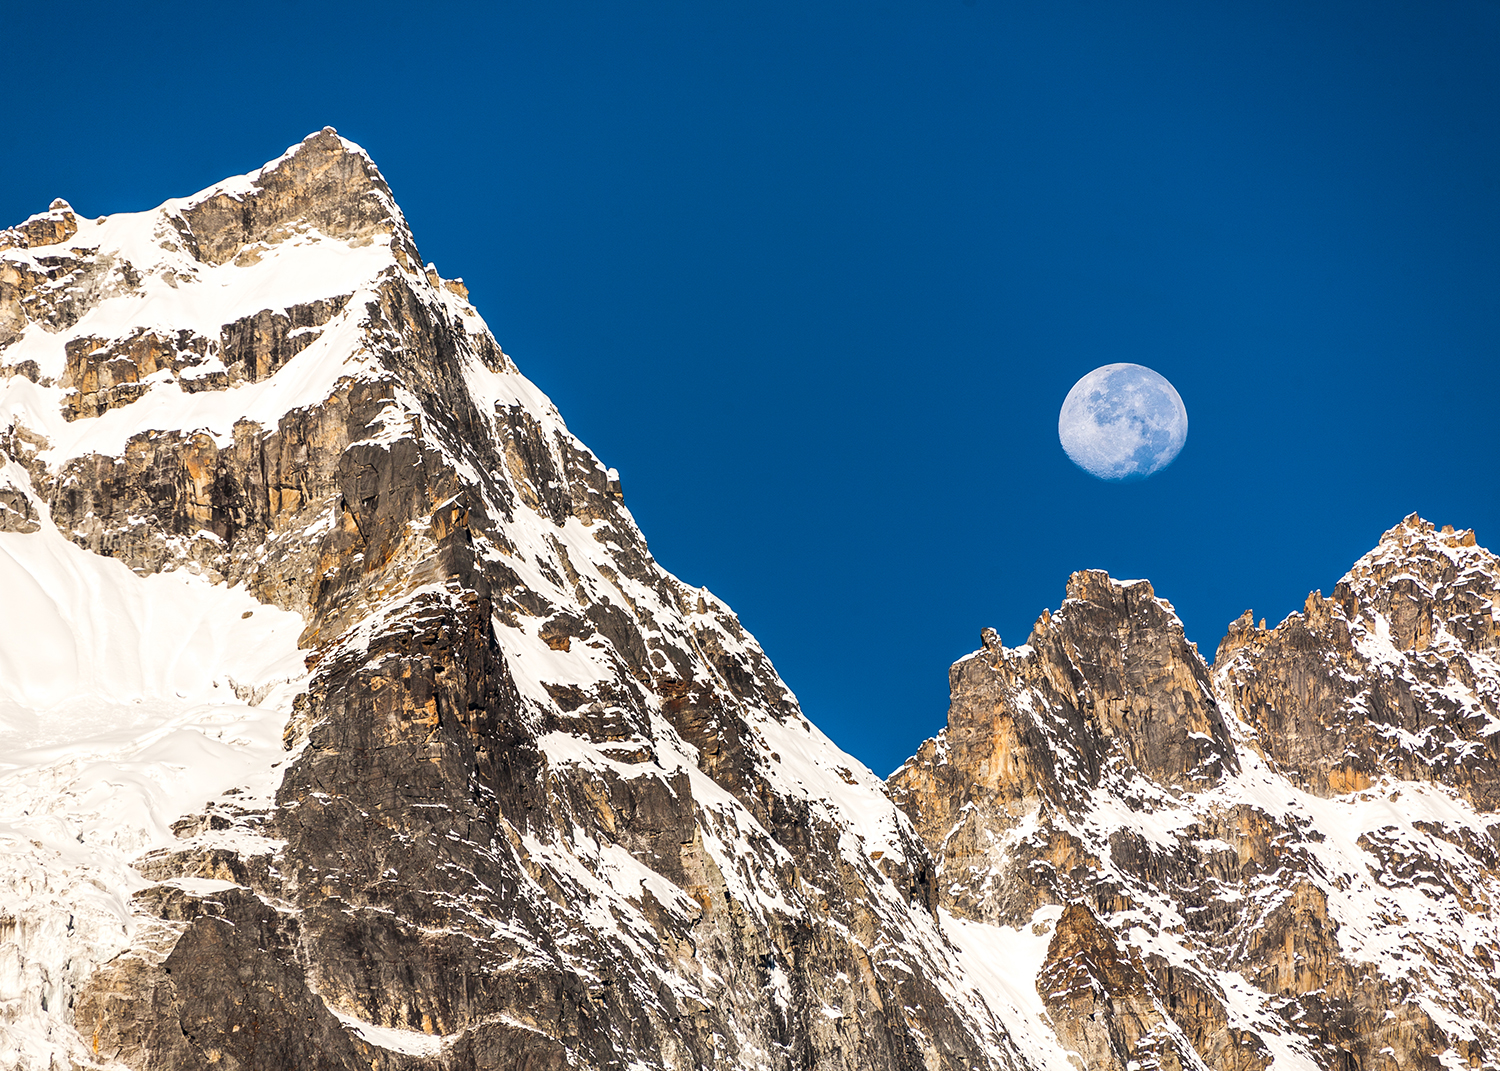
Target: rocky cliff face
x,y
346,720
1286,860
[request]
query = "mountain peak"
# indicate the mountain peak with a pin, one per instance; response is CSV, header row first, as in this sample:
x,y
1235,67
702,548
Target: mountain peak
x,y
57,224
567,795
325,182
1262,866
1413,528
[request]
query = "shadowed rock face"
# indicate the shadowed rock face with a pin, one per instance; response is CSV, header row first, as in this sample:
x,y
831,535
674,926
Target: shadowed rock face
x,y
1106,1005
1290,854
546,806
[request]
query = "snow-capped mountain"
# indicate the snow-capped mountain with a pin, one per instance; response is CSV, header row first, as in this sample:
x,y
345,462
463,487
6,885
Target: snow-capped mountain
x,y
347,721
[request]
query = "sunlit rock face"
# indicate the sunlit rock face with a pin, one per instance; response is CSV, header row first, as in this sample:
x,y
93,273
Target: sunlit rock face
x,y
1288,859
521,798
1392,676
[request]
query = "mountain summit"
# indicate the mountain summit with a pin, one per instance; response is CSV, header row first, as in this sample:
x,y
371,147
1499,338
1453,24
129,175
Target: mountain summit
x,y
530,800
348,722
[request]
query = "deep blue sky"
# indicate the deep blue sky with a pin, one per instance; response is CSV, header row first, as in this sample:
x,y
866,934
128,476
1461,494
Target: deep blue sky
x,y
816,277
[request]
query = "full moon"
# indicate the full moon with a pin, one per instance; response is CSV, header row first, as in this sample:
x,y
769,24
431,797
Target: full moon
x,y
1122,422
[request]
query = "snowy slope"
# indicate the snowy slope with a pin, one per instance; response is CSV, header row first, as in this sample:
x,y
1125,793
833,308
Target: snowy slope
x,y
120,712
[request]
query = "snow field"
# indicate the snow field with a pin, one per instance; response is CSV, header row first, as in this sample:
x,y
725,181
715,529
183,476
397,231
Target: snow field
x,y
118,715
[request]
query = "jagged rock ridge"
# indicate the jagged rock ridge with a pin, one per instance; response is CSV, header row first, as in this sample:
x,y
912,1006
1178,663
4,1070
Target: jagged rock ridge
x,y
1287,860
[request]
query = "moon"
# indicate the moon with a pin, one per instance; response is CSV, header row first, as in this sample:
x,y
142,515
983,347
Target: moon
x,y
1122,422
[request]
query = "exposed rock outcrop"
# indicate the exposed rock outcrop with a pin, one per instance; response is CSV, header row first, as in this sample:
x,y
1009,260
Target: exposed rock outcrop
x,y
1393,676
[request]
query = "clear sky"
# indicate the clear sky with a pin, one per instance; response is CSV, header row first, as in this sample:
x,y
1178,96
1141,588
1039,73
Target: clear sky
x,y
816,277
